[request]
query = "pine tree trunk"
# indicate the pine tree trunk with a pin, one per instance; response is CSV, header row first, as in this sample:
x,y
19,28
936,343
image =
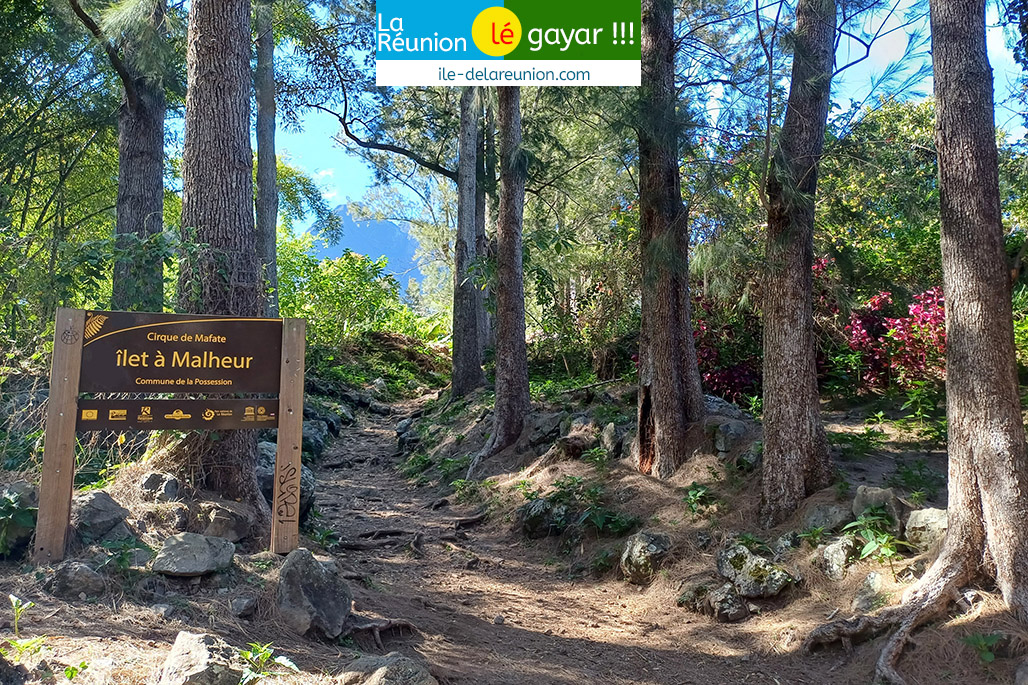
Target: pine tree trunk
x,y
139,277
218,210
481,244
267,166
467,371
512,398
487,243
671,405
796,459
988,470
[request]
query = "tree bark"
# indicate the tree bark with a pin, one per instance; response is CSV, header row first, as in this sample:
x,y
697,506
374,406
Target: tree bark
x,y
138,279
481,242
224,276
988,471
796,458
139,276
671,406
512,399
988,464
467,371
267,165
487,243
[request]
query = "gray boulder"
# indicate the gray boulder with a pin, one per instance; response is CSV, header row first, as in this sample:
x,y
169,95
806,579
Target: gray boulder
x,y
404,425
243,607
712,596
717,406
728,436
159,487
392,669
545,428
266,478
834,557
642,555
315,436
189,554
868,594
611,439
868,497
753,576
829,516
311,596
11,674
74,580
540,518
94,514
926,528
229,520
199,659
22,524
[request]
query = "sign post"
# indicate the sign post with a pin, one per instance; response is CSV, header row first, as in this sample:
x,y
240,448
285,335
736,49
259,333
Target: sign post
x,y
147,353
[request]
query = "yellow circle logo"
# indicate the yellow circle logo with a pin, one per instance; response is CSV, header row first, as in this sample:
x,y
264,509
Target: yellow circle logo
x,y
496,31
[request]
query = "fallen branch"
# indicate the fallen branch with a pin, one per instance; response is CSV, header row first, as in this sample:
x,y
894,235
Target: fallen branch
x,y
384,533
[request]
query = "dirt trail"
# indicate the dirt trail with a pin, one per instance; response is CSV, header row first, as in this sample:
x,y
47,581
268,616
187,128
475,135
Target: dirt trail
x,y
554,628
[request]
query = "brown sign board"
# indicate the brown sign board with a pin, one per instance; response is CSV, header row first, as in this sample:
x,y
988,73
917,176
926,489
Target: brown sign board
x,y
179,353
171,354
119,415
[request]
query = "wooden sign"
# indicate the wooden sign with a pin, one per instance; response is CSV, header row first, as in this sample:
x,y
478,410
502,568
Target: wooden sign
x,y
148,353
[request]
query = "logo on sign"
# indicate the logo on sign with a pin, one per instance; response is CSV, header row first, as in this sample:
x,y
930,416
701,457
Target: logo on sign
x,y
89,415
117,415
178,415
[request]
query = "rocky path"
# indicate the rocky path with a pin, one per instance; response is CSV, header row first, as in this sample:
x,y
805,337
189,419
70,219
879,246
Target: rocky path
x,y
491,607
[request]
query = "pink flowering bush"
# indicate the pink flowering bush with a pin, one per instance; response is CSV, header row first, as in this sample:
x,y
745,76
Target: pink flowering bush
x,y
903,350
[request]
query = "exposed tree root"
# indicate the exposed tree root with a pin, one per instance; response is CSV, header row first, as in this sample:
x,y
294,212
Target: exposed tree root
x,y
361,624
924,602
470,521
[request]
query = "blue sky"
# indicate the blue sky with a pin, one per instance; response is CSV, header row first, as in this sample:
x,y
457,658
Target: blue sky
x,y
343,176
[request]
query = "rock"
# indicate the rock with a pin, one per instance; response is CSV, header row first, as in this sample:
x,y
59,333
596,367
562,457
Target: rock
x,y
380,387
1021,676
163,610
610,440
380,409
94,514
11,674
868,497
392,669
834,557
712,596
539,518
189,555
315,435
545,429
243,607
752,575
728,436
703,539
828,516
643,553
199,659
120,532
750,458
868,594
926,528
73,579
23,523
785,544
311,596
725,605
716,405
266,478
498,620
404,426
229,520
159,487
